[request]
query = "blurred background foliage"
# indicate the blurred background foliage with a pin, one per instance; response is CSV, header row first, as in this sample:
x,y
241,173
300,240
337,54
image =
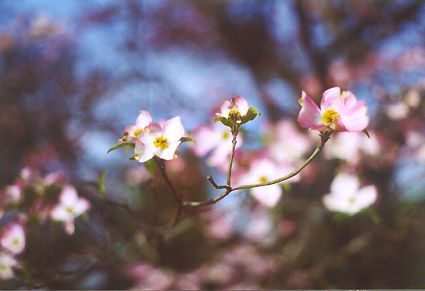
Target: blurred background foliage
x,y
73,74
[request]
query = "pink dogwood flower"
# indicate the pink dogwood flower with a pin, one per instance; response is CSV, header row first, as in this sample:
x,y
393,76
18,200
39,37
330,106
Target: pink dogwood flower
x,y
161,141
69,207
339,111
7,263
13,238
235,110
346,195
132,132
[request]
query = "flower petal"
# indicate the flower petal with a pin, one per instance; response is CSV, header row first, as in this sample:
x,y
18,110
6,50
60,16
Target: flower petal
x,y
169,153
268,195
335,98
241,104
345,185
68,195
81,206
144,152
143,119
310,115
355,119
173,129
225,109
366,196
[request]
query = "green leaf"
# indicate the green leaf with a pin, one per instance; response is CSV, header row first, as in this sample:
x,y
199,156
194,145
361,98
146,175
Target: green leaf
x,y
223,120
185,139
250,115
101,183
121,144
366,132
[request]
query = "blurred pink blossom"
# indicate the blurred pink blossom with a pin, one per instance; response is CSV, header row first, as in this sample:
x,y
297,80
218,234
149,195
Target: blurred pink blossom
x,y
286,143
347,196
149,278
13,238
339,111
351,146
217,139
12,194
69,207
7,263
260,228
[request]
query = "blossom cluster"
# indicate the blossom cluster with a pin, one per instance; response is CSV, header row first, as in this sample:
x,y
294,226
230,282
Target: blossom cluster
x,y
34,198
287,146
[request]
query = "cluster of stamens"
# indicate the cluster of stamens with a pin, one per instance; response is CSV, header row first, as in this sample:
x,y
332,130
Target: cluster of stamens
x,y
161,142
234,115
329,117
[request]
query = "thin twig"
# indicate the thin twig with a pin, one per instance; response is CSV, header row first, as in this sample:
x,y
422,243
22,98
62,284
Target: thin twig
x,y
179,201
324,138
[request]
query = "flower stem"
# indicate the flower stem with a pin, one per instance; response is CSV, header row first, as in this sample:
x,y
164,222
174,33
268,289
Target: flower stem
x,y
232,154
324,138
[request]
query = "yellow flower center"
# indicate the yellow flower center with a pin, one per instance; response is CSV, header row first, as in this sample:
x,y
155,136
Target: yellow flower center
x,y
226,135
263,179
352,201
69,210
15,242
137,132
235,115
329,117
161,142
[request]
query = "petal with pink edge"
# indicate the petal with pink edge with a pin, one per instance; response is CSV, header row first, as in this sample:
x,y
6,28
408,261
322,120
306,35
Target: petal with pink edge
x,y
173,129
241,104
356,119
225,109
143,119
335,98
310,115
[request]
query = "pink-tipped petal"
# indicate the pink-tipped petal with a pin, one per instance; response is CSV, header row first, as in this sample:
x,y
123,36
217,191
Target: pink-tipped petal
x,y
241,104
355,118
143,119
310,115
173,129
335,98
225,109
169,153
144,152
